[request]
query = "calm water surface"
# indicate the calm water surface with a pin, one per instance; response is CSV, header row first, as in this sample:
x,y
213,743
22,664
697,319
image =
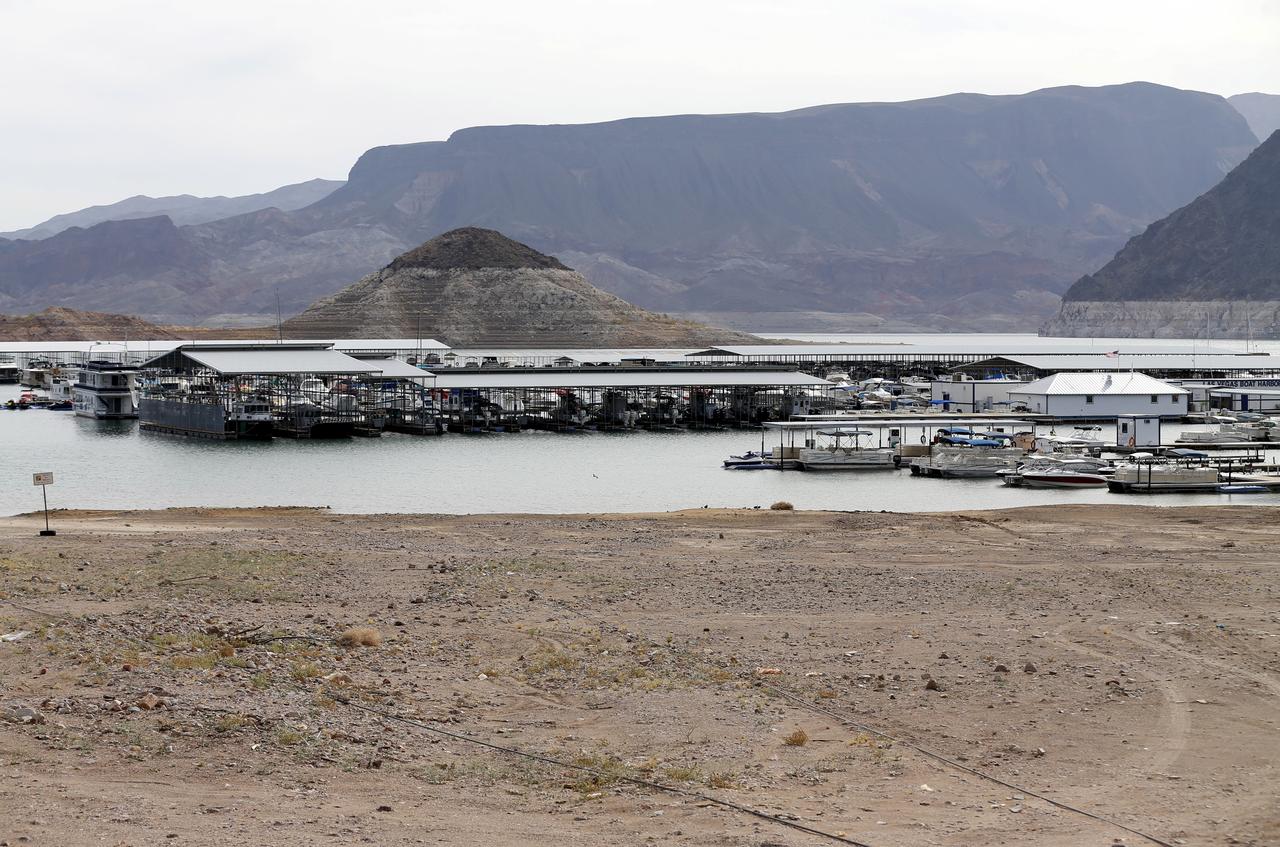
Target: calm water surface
x,y
112,464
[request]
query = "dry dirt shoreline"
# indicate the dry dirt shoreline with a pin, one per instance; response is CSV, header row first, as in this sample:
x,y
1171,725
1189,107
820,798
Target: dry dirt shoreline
x,y
183,683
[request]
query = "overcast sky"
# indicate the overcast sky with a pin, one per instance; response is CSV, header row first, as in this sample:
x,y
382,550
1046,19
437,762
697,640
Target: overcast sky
x,y
103,100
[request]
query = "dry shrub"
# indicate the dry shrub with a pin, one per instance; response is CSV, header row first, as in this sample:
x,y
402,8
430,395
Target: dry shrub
x,y
361,636
782,506
722,779
799,738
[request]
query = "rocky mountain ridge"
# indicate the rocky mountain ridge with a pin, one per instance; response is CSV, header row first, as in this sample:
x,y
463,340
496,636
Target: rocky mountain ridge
x,y
183,209
957,212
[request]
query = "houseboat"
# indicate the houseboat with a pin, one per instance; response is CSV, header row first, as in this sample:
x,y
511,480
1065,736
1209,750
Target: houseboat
x,y
10,373
104,386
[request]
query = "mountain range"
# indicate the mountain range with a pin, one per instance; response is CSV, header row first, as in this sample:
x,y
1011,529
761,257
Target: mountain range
x,y
1262,111
184,208
1210,268
959,212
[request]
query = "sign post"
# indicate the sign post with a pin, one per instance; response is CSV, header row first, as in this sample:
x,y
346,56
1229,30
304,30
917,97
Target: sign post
x,y
44,480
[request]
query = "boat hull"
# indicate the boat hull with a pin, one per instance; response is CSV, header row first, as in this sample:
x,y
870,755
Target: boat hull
x,y
1064,480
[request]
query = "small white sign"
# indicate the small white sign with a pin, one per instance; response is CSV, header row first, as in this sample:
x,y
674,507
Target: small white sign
x,y
45,478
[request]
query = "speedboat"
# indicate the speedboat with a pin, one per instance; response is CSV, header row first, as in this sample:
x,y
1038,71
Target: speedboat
x,y
1037,464
1063,476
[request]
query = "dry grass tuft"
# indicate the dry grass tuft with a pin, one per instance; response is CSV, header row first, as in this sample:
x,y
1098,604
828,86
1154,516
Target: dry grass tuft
x,y
361,636
782,506
799,738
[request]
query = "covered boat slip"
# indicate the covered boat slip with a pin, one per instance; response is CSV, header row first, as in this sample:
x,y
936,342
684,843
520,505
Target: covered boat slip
x,y
293,389
622,398
310,390
139,352
801,442
985,356
399,397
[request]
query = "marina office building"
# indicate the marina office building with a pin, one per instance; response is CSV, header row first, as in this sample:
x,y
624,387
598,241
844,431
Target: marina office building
x,y
1091,396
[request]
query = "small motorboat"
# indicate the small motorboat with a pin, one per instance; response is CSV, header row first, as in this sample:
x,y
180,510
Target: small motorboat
x,y
751,461
1063,477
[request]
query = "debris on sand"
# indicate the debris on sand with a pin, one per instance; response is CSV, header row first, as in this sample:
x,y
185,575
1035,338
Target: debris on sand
x,y
360,636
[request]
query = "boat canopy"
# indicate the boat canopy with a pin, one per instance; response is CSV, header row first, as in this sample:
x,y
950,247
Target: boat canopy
x,y
970,442
998,435
844,431
1184,453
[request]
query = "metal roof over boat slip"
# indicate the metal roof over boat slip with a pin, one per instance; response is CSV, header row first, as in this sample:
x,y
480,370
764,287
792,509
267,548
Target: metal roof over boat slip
x,y
1072,349
643,378
274,361
396,369
159,346
1126,361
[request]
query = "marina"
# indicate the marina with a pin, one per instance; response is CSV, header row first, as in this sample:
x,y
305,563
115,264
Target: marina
x,y
258,423
115,464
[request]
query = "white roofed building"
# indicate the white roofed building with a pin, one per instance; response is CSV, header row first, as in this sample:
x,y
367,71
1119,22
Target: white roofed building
x,y
1102,395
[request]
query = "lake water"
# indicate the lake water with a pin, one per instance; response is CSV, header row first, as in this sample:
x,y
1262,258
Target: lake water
x,y
113,464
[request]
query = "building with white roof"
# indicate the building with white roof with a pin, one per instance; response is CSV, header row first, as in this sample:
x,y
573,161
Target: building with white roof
x,y
1102,395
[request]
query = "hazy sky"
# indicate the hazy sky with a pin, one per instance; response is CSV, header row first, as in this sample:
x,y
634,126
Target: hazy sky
x,y
103,100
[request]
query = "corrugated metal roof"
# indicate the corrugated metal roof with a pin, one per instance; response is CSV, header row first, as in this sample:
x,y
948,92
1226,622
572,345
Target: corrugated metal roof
x,y
961,345
819,421
159,346
264,360
397,369
656,377
1098,384
1126,361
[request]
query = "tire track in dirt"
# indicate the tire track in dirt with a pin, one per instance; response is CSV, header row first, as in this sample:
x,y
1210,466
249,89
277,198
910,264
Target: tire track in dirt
x,y
1176,717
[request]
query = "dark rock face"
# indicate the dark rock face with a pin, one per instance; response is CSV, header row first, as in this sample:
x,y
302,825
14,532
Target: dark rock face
x,y
1225,245
1211,267
951,212
476,287
473,248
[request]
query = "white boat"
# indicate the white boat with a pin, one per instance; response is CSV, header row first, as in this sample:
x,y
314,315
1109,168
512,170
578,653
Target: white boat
x,y
104,386
1063,476
1036,463
960,453
314,390
1145,473
843,450
1225,433
751,460
33,375
250,418
61,394
9,370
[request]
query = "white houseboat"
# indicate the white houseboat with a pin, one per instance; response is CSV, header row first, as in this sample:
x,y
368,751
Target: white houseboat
x,y
104,386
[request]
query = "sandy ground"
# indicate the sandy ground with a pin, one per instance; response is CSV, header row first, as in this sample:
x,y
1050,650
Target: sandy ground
x,y
183,681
